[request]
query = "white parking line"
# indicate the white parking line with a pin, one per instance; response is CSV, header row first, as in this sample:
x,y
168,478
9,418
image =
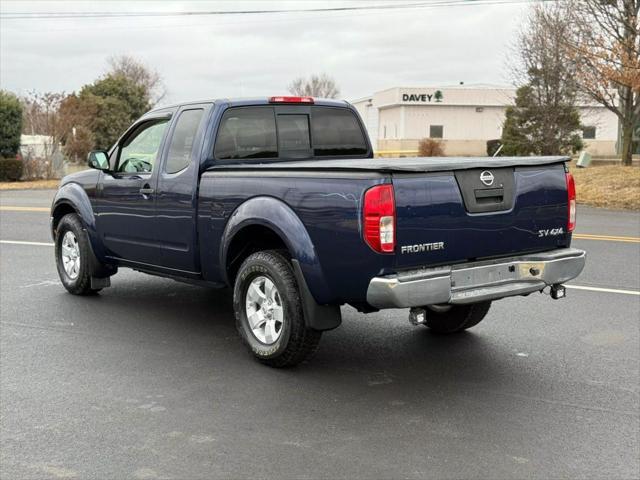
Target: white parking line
x,y
606,290
20,242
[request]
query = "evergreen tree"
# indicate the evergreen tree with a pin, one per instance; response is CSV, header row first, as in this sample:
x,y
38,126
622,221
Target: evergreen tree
x,y
533,127
545,119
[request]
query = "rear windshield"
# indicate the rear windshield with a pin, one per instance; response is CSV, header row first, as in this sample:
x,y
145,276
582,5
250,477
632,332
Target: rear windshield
x,y
269,133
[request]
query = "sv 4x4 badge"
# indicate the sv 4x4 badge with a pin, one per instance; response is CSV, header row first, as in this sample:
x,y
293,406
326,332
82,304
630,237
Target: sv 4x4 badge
x,y
550,232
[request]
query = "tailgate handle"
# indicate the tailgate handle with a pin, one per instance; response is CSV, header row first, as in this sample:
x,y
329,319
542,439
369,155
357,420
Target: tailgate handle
x,y
489,195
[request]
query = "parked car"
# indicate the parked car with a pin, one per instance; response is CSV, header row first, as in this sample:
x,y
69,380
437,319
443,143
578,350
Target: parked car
x,y
282,200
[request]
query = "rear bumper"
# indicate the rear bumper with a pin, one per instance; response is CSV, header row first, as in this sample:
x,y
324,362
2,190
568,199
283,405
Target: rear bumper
x,y
476,282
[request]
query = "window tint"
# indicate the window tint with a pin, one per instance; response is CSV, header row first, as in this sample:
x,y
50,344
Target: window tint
x,y
179,156
293,133
436,131
588,133
336,132
247,133
139,151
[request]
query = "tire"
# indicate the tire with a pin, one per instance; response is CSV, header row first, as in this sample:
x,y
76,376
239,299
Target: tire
x,y
457,318
72,239
266,296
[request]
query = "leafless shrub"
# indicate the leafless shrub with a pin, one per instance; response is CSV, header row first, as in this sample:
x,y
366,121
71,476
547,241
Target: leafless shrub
x,y
430,147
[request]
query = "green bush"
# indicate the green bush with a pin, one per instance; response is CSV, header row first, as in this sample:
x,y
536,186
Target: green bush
x,y
10,123
493,146
10,169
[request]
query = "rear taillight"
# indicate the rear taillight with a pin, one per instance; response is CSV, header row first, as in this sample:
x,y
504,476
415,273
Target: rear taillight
x,y
380,218
285,99
571,196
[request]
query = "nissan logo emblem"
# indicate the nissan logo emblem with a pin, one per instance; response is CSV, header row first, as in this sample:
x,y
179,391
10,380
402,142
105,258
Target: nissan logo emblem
x,y
486,177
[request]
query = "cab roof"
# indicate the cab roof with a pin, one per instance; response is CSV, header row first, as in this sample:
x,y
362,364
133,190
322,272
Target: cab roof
x,y
246,102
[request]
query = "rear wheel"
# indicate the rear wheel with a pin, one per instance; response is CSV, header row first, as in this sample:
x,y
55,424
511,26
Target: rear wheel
x,y
269,313
456,318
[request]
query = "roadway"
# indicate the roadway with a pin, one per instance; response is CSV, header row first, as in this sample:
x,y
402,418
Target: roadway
x,y
150,380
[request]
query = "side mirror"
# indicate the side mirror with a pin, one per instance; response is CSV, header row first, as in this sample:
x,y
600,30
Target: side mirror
x,y
98,159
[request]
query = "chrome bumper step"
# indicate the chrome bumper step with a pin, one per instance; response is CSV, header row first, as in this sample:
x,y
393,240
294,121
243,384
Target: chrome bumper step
x,y
476,282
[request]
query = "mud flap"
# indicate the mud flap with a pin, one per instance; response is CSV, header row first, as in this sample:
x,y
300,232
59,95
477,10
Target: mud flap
x,y
318,317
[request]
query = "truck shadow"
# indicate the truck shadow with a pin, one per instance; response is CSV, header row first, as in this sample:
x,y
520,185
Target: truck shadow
x,y
374,376
376,349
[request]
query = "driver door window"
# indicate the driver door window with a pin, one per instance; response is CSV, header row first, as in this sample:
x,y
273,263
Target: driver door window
x,y
139,151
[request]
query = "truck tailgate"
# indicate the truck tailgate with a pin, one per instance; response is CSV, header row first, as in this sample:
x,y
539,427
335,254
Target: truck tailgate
x,y
447,217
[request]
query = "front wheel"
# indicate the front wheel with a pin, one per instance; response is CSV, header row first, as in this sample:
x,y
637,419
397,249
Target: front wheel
x,y
456,318
74,258
268,311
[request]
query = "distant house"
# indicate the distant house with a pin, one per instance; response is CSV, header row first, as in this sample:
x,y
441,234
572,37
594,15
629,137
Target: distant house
x,y
42,157
37,146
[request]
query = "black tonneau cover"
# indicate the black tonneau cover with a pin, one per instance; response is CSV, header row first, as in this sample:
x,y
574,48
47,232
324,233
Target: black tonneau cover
x,y
428,164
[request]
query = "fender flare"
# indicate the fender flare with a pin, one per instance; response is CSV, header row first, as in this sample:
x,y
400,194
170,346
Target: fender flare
x,y
74,196
276,215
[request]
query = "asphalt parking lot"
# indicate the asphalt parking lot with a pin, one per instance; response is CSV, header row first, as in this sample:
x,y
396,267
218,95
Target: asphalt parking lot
x,y
150,380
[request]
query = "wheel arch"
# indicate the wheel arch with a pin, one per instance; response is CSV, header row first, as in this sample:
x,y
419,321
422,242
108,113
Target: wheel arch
x,y
243,244
72,198
280,227
63,208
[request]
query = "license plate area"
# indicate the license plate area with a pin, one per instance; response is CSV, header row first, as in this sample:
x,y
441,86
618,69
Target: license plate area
x,y
495,274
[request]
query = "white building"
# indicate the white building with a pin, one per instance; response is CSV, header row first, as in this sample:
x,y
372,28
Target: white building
x,y
463,116
37,146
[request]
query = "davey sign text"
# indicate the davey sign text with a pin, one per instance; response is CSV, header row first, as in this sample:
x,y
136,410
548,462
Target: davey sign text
x,y
423,97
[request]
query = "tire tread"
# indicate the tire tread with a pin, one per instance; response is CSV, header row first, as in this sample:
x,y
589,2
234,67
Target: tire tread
x,y
88,262
303,342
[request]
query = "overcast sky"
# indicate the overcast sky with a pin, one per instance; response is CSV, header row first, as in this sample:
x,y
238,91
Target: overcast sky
x,y
249,55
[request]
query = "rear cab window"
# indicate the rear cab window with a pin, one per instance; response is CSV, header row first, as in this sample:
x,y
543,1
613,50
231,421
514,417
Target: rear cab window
x,y
246,133
289,132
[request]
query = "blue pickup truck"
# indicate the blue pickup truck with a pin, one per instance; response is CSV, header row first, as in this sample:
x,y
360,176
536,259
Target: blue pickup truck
x,y
281,200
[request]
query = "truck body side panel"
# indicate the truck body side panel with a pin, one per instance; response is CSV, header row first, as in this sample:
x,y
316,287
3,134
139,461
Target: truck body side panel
x,y
328,206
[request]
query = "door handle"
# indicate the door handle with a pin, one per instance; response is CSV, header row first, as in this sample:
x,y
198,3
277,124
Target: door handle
x,y
146,190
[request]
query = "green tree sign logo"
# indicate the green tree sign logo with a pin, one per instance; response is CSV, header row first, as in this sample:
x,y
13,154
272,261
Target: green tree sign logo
x,y
438,96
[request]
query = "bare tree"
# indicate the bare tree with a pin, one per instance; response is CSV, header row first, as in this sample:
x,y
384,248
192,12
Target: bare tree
x,y
322,86
544,120
78,117
41,116
136,71
605,48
